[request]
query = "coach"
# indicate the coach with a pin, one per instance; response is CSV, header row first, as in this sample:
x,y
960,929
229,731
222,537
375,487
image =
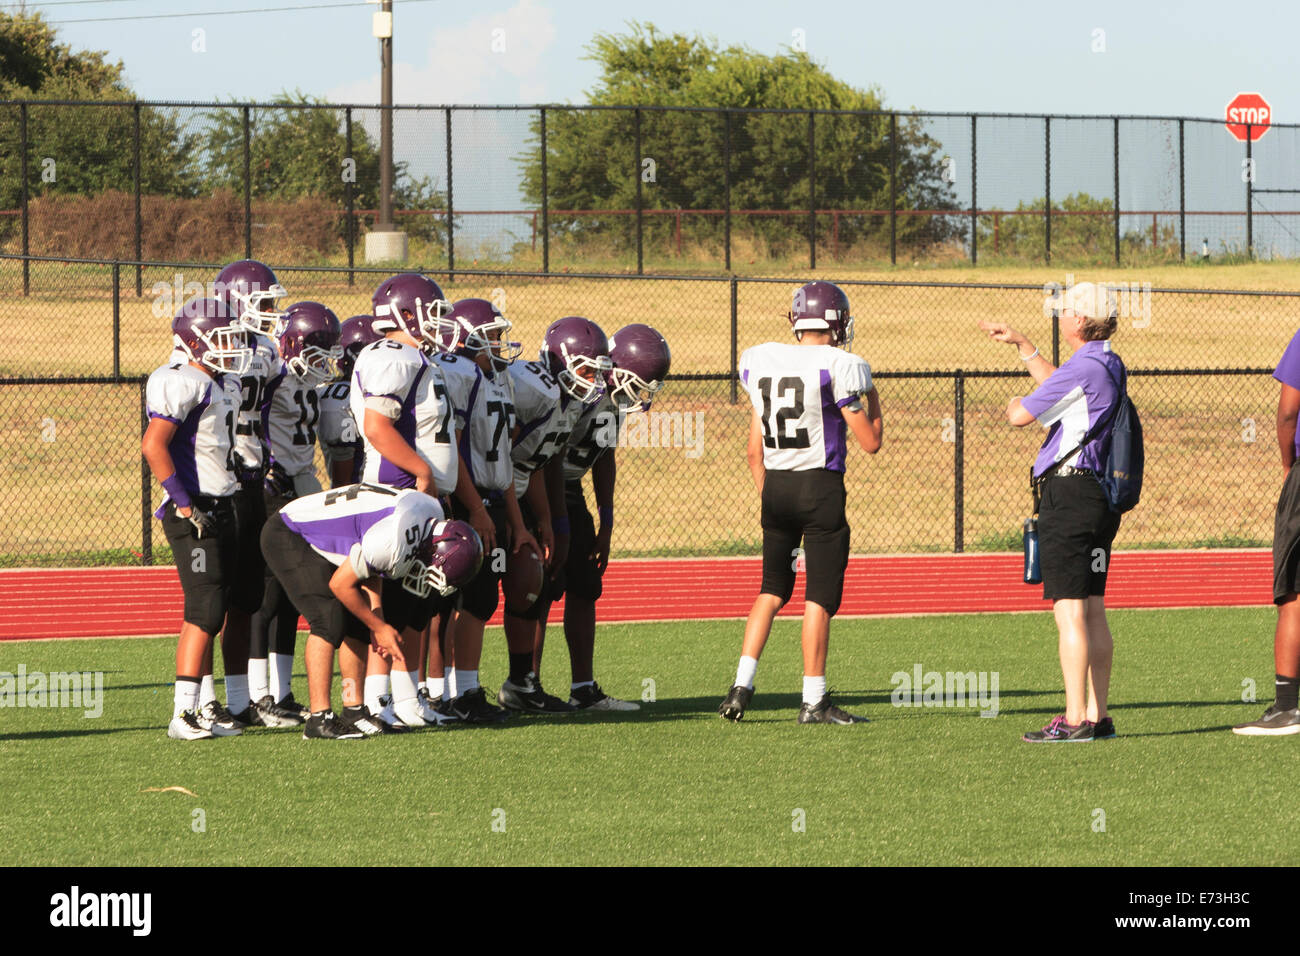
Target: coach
x,y
1076,526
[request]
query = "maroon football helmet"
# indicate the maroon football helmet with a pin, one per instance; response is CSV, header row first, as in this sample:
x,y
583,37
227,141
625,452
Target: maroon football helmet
x,y
209,333
448,559
823,307
354,335
576,352
479,327
414,304
309,343
641,361
251,291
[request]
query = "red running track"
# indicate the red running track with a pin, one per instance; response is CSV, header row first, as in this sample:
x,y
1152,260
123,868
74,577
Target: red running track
x,y
100,602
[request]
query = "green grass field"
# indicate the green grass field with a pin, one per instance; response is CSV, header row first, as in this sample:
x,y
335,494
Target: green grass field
x,y
673,784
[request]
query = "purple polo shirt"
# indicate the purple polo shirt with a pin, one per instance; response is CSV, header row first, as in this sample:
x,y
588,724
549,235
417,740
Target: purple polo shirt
x,y
1072,400
1288,373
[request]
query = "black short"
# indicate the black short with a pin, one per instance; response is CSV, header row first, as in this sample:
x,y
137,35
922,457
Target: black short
x,y
1286,539
807,507
579,575
207,565
480,596
402,609
305,577
247,582
1075,531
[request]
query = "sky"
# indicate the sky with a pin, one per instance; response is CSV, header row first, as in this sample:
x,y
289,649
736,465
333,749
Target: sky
x,y
1135,57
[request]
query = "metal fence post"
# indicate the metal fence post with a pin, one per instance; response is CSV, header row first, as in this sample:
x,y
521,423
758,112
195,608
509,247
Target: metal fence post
x,y
726,188
959,462
146,486
139,218
22,148
248,189
636,169
546,224
812,191
451,229
1182,198
1250,199
1116,119
1056,338
1047,189
974,205
117,320
735,340
893,188
349,188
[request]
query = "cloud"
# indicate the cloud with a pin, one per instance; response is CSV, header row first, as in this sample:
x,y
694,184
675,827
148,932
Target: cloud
x,y
495,58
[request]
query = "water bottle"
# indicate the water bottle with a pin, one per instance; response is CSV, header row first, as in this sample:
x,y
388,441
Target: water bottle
x,y
1033,570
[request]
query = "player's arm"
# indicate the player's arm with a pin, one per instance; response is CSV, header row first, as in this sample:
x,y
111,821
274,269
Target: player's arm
x,y
383,436
754,451
535,495
604,475
347,587
553,476
1288,409
155,448
866,424
468,496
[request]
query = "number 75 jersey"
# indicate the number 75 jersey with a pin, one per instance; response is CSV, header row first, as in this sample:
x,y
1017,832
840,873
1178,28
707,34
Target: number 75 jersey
x,y
799,392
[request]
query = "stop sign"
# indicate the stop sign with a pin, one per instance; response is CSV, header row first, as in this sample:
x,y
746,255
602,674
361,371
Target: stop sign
x,y
1248,108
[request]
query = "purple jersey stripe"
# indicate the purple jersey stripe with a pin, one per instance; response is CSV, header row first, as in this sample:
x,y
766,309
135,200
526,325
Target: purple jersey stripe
x,y
832,425
337,535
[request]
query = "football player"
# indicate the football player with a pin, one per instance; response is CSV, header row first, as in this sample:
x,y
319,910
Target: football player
x,y
339,437
474,357
639,361
252,292
400,399
189,446
309,354
324,547
806,395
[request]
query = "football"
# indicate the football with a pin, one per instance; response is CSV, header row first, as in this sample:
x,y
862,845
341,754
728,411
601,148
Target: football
x,y
523,580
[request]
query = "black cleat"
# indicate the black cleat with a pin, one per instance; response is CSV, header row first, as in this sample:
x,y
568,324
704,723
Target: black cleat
x,y
327,726
292,705
592,697
1274,723
473,708
824,712
369,724
529,698
738,698
267,713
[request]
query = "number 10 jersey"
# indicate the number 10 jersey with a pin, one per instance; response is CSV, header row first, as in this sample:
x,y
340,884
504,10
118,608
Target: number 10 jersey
x,y
799,392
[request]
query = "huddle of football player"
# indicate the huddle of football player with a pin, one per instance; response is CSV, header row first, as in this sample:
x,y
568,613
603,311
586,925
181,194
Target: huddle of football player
x,y
455,477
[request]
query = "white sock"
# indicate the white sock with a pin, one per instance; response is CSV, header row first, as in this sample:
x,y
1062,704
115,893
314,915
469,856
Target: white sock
x,y
433,686
237,693
257,686
582,683
466,681
186,697
814,689
281,674
376,686
405,685
207,690
746,671
449,682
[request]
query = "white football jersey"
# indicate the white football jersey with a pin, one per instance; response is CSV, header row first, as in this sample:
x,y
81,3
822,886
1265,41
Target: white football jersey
x,y
415,387
289,421
546,416
595,433
337,430
799,392
375,527
264,366
204,408
486,414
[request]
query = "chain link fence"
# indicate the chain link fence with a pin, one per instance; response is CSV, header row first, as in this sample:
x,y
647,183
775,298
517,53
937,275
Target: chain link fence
x,y
952,475
638,189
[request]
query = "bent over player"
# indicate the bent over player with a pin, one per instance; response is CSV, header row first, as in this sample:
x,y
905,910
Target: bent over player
x,y
806,396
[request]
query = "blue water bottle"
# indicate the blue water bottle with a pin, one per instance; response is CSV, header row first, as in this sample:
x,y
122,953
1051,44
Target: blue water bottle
x,y
1033,570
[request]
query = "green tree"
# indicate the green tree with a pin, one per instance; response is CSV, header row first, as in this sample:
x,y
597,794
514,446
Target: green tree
x,y
590,162
91,147
1083,228
297,148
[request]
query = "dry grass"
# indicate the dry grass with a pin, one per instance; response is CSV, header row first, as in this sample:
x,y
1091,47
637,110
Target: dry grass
x,y
80,493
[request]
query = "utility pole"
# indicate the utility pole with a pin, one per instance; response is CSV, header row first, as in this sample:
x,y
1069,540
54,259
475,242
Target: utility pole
x,y
385,243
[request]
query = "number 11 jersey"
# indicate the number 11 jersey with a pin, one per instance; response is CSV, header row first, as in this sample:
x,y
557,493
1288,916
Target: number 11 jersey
x,y
799,392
